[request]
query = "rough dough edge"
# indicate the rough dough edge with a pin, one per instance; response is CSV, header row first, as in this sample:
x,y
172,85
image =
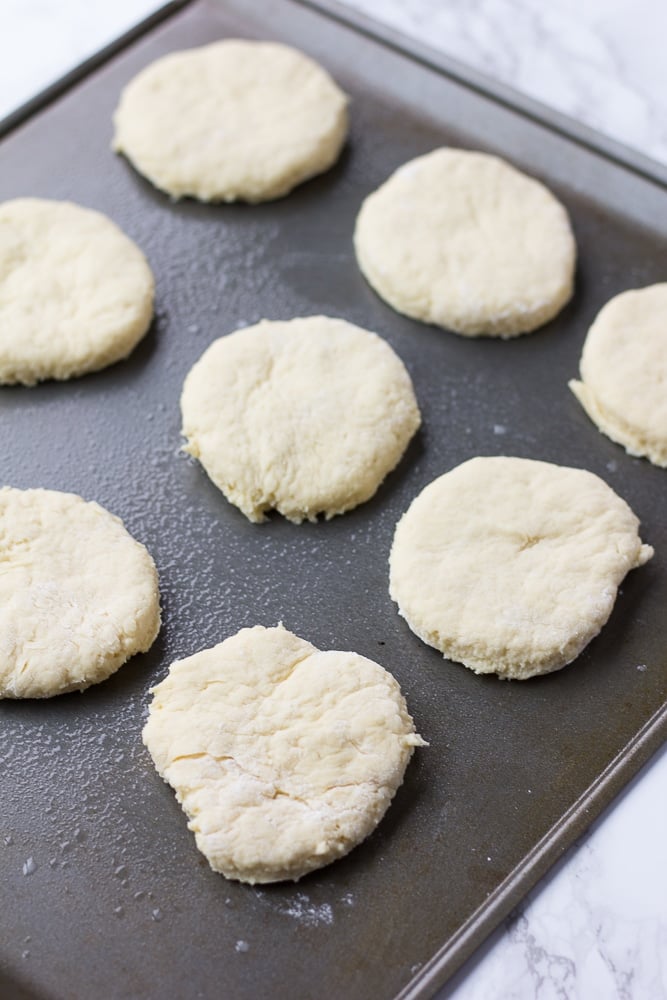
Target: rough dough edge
x,y
237,873
264,504
636,443
506,325
121,659
24,374
328,156
509,668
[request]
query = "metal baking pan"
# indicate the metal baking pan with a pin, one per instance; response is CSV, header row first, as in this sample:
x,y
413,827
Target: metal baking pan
x,y
119,903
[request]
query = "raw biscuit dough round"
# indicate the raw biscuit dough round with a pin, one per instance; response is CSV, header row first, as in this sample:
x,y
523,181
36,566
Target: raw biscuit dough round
x,y
78,595
305,417
76,294
511,566
283,757
235,120
624,372
466,241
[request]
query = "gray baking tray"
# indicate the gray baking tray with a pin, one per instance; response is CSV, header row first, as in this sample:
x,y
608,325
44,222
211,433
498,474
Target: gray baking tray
x,y
116,901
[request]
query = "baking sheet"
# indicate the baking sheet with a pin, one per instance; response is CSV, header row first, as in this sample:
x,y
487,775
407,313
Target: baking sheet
x,y
120,903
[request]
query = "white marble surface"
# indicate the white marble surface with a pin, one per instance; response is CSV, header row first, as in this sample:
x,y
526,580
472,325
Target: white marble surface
x,y
600,61
41,40
596,928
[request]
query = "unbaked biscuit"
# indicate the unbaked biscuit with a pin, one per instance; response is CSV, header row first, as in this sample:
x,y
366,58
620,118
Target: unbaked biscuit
x,y
283,757
235,120
465,241
511,566
623,386
76,294
305,417
78,595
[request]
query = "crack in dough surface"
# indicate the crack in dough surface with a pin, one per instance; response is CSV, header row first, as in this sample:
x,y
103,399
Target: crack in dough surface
x,y
289,760
512,566
306,416
76,294
623,368
235,120
464,240
78,595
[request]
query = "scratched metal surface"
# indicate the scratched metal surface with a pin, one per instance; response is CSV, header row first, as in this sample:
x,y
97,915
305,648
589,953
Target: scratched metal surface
x,y
120,904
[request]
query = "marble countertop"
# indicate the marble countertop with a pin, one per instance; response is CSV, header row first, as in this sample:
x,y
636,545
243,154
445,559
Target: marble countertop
x,y
596,927
594,60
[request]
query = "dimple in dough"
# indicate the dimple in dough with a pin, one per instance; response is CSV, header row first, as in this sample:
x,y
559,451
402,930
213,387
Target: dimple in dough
x,y
78,595
235,120
512,566
464,240
306,416
76,294
283,757
623,386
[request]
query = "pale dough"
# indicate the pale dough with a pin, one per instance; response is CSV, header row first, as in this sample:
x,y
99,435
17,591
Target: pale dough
x,y
467,242
76,294
233,120
306,416
283,757
623,368
511,566
78,595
